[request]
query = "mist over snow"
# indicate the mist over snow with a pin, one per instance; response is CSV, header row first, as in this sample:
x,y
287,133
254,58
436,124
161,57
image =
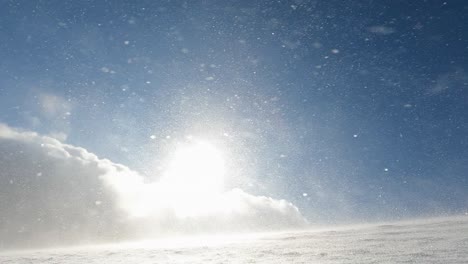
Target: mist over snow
x,y
438,240
55,193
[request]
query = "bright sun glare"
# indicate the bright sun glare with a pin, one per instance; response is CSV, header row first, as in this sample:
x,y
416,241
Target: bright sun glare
x,y
194,177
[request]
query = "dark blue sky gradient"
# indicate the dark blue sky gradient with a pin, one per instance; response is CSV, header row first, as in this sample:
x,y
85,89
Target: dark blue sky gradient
x,y
362,105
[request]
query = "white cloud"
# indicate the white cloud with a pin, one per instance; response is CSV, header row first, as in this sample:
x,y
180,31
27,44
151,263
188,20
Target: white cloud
x,y
457,78
54,106
381,30
52,192
61,136
51,113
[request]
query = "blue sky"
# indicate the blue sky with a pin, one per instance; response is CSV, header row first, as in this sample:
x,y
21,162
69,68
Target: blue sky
x,y
363,106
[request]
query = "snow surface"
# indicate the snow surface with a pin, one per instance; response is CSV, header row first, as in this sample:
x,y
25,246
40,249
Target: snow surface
x,y
442,240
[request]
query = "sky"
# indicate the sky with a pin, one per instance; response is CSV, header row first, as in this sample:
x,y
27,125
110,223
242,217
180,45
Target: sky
x,y
351,111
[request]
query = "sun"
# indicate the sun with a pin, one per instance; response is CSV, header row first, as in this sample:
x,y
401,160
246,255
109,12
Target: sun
x,y
195,176
198,166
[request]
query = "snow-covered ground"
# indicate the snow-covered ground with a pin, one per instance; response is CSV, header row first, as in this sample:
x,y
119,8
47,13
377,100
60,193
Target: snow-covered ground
x,y
442,240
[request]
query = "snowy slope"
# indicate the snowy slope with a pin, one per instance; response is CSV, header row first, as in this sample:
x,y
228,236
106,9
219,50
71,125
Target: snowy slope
x,y
443,240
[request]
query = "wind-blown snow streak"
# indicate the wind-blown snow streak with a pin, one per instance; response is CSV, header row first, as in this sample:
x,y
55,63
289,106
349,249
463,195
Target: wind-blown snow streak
x,y
443,241
55,193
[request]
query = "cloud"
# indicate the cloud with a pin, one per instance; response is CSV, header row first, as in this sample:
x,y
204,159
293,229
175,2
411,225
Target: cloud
x,y
56,193
381,30
457,78
51,113
53,106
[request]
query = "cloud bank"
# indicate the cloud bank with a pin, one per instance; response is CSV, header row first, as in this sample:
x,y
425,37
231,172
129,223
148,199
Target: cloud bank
x,y
55,193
